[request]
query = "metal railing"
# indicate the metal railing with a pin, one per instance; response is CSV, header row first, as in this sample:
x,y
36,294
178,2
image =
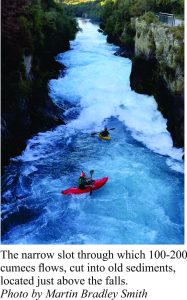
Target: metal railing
x,y
168,19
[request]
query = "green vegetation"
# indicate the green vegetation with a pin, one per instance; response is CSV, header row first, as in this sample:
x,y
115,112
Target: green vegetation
x,y
33,32
42,30
75,2
178,32
117,16
84,8
180,56
149,17
179,35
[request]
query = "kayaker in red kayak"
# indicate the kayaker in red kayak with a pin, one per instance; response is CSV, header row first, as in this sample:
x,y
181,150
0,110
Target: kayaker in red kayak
x,y
97,184
104,132
85,182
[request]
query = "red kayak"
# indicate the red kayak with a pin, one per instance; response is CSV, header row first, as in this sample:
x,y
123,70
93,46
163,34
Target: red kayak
x,y
96,185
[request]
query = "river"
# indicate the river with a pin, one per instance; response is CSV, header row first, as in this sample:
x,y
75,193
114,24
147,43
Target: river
x,y
143,200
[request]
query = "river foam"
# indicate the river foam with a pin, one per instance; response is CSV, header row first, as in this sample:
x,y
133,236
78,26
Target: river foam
x,y
99,82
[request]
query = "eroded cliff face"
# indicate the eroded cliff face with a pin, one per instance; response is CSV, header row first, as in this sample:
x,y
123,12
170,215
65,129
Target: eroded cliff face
x,y
165,44
158,70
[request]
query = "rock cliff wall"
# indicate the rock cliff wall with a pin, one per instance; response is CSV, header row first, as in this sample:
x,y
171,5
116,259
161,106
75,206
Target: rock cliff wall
x,y
158,70
165,44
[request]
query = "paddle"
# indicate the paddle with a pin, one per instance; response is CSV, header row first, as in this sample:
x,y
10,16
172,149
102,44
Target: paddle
x,y
94,133
91,174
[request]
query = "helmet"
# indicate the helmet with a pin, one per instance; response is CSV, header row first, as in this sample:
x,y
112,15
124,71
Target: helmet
x,y
105,128
82,174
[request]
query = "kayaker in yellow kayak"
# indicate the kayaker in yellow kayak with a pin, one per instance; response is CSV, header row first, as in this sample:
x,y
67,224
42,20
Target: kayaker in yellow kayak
x,y
105,132
103,135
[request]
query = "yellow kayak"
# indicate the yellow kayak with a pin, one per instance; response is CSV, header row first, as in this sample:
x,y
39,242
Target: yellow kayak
x,y
106,138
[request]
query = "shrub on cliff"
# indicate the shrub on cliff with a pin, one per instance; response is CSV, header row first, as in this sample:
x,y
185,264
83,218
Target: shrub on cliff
x,y
149,17
178,32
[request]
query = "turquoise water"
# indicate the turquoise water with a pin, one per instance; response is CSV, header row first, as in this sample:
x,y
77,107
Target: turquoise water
x,y
143,200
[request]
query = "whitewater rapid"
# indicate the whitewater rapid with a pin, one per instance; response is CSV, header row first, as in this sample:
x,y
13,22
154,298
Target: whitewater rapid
x,y
143,201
